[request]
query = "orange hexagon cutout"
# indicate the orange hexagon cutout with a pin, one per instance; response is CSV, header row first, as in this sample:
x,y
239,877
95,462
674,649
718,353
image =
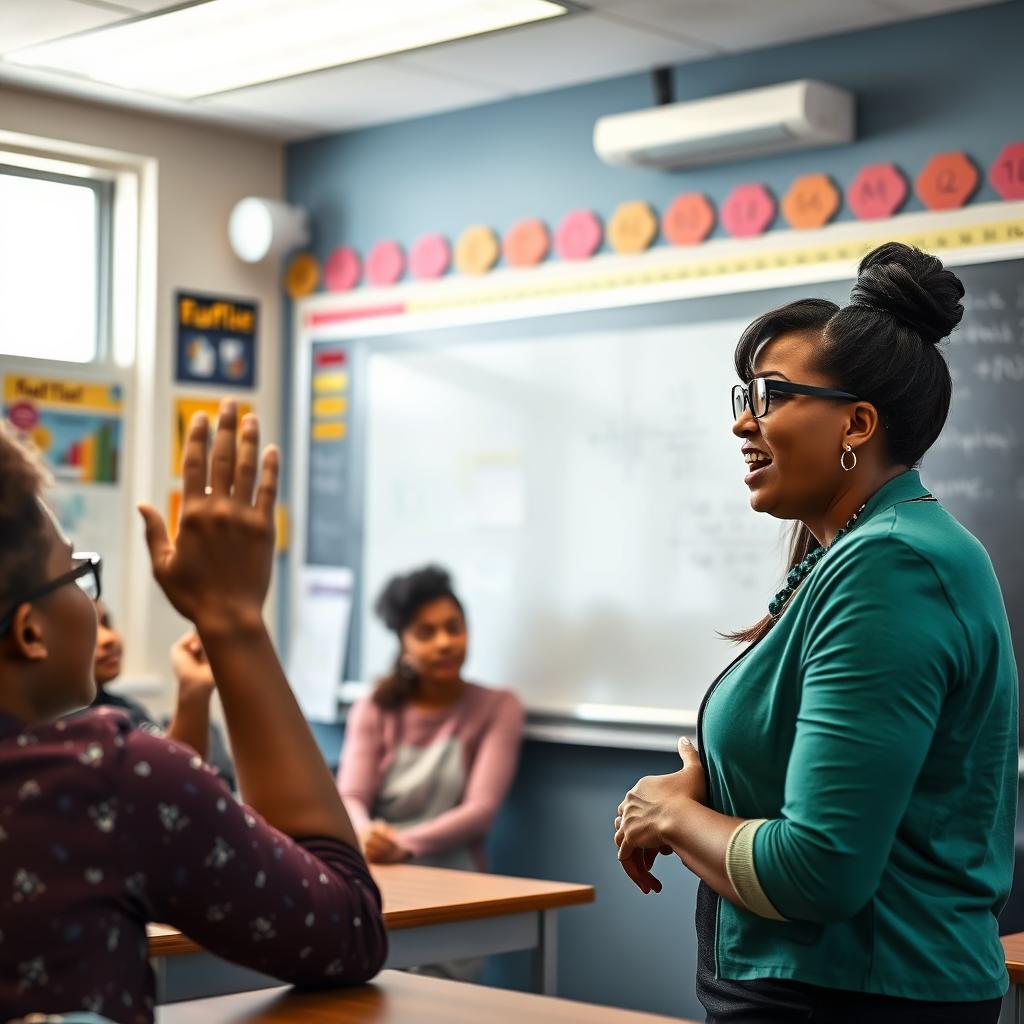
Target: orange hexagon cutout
x,y
302,276
1007,171
633,227
811,202
689,219
877,191
526,243
476,251
947,181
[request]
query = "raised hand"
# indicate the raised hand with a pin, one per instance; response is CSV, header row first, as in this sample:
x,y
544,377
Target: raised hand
x,y
217,571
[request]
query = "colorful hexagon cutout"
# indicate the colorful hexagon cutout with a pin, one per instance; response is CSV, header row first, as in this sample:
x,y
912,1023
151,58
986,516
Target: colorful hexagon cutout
x,y
526,243
343,269
877,191
811,202
578,235
1007,171
302,276
385,264
477,250
430,257
688,219
748,210
947,181
633,227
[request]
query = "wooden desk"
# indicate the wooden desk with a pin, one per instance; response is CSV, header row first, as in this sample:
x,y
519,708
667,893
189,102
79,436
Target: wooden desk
x,y
1013,948
432,915
395,998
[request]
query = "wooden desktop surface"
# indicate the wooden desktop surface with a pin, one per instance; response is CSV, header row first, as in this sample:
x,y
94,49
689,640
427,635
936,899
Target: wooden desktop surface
x,y
415,896
1013,948
398,998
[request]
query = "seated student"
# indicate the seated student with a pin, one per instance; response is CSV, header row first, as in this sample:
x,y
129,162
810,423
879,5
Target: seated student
x,y
191,722
428,757
104,827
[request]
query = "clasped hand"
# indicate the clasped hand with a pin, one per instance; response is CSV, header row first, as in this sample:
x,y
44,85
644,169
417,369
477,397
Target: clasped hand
x,y
649,816
381,844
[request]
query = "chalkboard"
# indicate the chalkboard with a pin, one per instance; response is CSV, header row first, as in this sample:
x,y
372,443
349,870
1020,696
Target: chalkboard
x,y
976,468
411,494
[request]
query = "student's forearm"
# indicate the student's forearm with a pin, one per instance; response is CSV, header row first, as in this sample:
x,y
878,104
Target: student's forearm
x,y
700,836
281,772
191,722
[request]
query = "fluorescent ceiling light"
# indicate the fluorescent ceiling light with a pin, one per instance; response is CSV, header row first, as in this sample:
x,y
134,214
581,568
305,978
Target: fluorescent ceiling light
x,y
220,45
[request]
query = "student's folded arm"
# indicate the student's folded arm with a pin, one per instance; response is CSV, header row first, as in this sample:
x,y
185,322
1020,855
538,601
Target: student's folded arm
x,y
489,781
359,768
875,674
305,911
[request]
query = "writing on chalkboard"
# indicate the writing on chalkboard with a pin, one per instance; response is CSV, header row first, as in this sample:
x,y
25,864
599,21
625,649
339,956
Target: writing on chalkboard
x,y
1001,368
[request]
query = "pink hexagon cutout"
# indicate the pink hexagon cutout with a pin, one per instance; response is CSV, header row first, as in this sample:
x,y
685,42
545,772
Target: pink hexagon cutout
x,y
430,257
748,210
578,235
342,269
385,263
878,190
1007,171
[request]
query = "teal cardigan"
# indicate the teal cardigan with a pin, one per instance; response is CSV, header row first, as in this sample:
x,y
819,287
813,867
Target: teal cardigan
x,y
871,738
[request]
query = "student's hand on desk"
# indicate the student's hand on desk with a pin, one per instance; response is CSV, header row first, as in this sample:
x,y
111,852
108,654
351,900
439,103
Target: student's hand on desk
x,y
191,669
380,844
217,571
647,814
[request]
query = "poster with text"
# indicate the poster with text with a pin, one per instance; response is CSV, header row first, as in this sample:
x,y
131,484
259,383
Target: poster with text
x,y
215,340
76,424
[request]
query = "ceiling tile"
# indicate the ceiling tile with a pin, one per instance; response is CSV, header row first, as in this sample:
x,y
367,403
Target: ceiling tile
x,y
26,22
374,92
734,25
570,50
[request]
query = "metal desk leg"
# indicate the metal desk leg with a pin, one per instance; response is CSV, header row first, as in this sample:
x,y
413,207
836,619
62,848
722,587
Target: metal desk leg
x,y
545,956
1018,1004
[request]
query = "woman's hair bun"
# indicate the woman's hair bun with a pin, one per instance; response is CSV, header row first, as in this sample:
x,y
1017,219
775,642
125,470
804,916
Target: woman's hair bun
x,y
911,286
404,595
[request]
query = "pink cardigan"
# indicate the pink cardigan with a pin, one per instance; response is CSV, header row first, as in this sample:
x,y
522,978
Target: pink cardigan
x,y
487,724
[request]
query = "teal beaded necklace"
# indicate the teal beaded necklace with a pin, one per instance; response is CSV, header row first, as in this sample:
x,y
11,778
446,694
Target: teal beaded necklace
x,y
800,571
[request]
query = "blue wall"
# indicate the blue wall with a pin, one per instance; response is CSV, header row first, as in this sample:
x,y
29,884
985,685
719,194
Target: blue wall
x,y
954,82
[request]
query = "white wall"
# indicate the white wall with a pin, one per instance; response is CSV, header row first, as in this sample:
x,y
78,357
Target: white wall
x,y
192,176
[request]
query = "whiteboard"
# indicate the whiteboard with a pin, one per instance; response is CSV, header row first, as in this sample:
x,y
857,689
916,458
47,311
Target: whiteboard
x,y
586,491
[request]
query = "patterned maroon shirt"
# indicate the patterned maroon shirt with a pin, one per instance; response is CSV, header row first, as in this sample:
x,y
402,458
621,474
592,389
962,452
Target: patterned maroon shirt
x,y
104,827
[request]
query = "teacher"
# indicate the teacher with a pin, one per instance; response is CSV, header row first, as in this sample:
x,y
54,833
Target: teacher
x,y
850,814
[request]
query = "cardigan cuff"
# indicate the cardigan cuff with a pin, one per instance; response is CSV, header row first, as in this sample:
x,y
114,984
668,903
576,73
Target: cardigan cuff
x,y
739,866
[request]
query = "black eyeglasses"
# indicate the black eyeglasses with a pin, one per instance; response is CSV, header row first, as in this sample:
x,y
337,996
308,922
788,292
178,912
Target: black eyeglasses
x,y
86,574
756,395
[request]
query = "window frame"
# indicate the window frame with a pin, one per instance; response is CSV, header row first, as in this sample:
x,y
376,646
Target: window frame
x,y
103,195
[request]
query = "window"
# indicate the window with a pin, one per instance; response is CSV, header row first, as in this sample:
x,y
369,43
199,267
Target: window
x,y
54,265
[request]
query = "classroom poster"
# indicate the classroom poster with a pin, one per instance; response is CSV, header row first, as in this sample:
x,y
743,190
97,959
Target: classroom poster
x,y
76,424
185,407
215,340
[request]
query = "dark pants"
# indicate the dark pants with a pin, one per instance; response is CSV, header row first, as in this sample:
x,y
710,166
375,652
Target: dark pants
x,y
833,1006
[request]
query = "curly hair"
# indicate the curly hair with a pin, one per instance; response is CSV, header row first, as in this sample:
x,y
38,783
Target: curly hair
x,y
23,544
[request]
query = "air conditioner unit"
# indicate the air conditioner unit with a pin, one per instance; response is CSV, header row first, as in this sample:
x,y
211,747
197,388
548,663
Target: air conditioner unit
x,y
755,122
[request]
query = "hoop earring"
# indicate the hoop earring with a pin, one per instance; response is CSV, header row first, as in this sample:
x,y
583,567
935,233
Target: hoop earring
x,y
842,459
